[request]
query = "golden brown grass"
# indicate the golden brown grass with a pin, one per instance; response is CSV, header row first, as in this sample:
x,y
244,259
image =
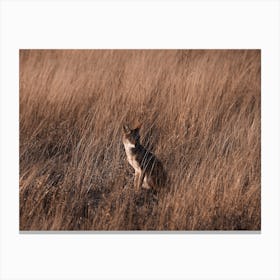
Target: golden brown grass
x,y
201,116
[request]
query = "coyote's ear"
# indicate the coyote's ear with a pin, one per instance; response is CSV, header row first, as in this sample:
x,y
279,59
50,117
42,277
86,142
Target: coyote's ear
x,y
126,129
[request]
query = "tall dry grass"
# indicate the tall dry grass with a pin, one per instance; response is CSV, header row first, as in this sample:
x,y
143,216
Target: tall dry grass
x,y
201,116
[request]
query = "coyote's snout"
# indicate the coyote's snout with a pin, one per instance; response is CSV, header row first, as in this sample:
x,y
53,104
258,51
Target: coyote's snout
x,y
149,171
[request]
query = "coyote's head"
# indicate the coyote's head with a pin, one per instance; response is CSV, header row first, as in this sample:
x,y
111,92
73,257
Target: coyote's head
x,y
131,136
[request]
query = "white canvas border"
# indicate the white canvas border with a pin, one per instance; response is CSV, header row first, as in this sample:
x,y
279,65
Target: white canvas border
x,y
155,24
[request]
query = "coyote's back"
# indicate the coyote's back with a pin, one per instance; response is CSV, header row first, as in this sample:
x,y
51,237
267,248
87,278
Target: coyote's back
x,y
149,171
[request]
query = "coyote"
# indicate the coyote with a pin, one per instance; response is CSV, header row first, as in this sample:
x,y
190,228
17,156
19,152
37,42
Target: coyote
x,y
149,171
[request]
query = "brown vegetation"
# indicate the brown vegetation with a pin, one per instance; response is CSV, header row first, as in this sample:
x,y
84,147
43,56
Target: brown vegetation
x,y
201,116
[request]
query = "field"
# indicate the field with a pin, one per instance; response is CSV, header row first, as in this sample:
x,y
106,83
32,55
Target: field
x,y
200,112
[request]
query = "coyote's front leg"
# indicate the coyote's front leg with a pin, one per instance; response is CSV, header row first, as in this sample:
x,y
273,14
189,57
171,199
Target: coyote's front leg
x,y
138,180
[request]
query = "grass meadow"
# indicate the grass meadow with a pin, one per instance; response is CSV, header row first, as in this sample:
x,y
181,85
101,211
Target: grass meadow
x,y
200,112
